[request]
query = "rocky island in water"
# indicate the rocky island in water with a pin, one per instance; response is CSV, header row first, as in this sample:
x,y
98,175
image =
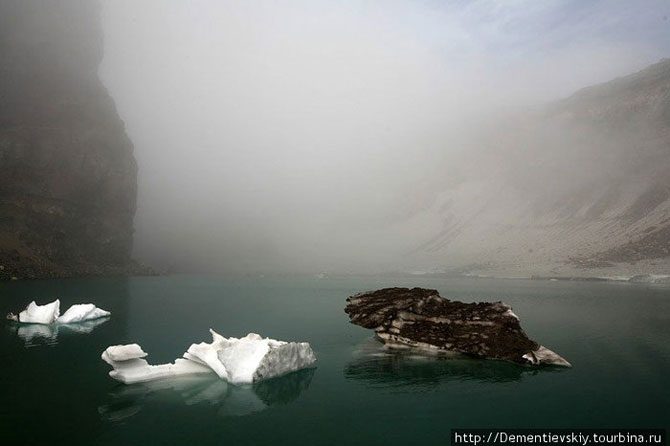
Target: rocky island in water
x,y
421,319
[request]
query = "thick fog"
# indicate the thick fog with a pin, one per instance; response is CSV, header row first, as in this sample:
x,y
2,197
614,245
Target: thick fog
x,y
302,136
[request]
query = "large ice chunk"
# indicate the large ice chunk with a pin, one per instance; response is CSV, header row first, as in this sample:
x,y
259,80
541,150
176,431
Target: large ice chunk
x,y
50,313
40,314
253,358
238,361
82,312
207,354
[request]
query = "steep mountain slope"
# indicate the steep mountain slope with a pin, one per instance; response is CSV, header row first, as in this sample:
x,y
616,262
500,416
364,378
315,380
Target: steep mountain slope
x,y
584,182
67,170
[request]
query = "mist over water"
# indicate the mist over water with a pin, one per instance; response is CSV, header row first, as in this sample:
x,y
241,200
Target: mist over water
x,y
304,136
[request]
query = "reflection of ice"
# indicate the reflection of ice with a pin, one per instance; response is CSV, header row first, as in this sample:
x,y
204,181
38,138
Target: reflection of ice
x,y
380,367
240,401
33,334
229,400
85,326
37,334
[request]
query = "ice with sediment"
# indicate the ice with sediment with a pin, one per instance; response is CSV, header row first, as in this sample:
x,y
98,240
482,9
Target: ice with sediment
x,y
238,361
50,313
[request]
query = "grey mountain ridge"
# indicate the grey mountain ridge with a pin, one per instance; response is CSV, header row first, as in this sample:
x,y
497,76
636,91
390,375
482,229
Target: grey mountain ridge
x,y
580,184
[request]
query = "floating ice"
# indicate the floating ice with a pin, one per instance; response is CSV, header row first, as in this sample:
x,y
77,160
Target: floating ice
x,y
119,353
82,312
50,313
253,358
238,361
137,370
40,314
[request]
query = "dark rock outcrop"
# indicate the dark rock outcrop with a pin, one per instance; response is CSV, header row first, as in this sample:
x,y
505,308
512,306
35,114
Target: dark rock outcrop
x,y
419,318
67,170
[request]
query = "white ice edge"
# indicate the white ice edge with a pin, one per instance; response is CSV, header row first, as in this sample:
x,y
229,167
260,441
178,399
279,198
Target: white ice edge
x,y
238,361
545,356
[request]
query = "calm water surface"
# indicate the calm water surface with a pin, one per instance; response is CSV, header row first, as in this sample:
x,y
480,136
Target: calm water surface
x,y
55,387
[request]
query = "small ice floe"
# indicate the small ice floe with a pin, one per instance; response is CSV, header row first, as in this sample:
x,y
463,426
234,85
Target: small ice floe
x,y
81,313
50,313
238,361
38,314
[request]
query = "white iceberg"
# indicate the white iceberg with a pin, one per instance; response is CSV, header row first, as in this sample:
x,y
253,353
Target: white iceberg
x,y
40,314
80,313
239,361
50,314
252,358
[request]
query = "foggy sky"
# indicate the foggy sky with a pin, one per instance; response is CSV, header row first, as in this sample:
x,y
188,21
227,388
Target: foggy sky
x,y
302,135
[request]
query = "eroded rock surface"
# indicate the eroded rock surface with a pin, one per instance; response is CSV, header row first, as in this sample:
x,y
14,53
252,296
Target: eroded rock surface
x,y
420,318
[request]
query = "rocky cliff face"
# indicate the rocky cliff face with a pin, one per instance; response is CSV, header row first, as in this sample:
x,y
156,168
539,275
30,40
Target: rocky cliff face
x,y
581,184
67,170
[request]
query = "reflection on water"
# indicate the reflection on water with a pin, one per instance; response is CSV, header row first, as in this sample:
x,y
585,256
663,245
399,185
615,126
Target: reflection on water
x,y
41,334
380,367
229,400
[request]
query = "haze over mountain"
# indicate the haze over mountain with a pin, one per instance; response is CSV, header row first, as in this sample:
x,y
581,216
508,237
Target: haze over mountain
x,y
376,136
580,182
310,136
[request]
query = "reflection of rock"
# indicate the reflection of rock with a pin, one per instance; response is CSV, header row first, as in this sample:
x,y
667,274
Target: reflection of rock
x,y
381,367
230,400
34,334
422,320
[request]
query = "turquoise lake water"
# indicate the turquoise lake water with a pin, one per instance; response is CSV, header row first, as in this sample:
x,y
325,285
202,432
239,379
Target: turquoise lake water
x,y
56,389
